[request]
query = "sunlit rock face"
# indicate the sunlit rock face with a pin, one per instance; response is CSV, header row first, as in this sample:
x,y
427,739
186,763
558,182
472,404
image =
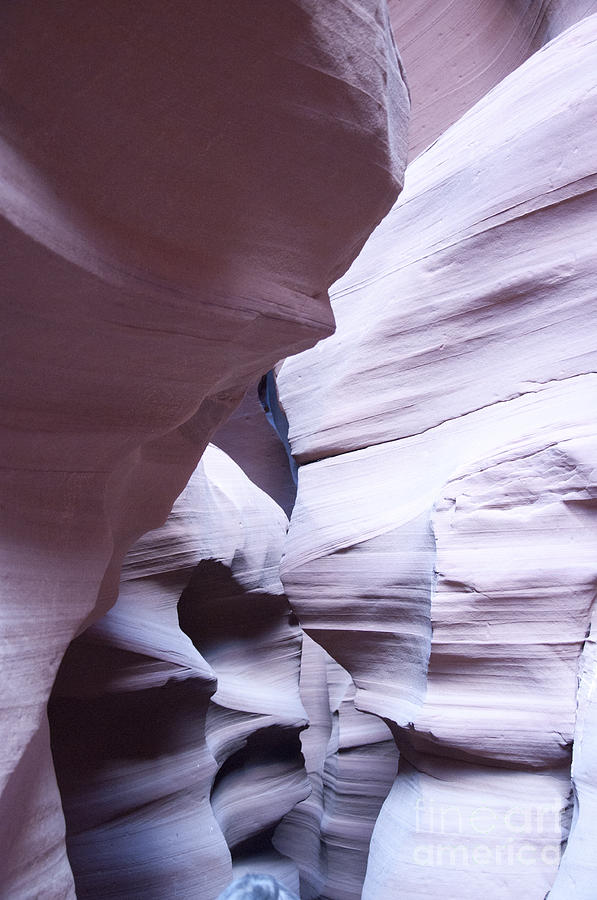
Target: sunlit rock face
x,y
175,718
442,545
179,189
453,53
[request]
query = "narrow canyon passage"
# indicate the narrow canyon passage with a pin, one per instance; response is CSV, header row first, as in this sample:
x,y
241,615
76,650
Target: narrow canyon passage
x,y
355,658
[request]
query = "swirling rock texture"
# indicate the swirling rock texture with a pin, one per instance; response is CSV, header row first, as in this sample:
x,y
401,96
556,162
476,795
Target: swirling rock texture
x,y
175,718
442,545
455,51
350,759
158,781
180,186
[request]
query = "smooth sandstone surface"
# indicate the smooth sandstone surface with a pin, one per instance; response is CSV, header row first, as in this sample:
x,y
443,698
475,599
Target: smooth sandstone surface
x,y
252,442
576,875
455,51
351,761
442,545
168,188
178,194
175,718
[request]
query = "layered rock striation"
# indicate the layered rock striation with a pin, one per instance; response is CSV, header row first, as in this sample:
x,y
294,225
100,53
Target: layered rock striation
x,y
175,718
178,192
169,183
350,759
454,52
442,545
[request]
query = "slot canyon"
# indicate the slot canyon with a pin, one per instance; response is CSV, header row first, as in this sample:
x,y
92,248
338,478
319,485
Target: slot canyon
x,y
299,450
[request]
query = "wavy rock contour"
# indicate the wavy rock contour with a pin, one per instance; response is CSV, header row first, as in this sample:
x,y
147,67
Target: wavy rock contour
x,y
440,548
168,185
454,52
175,718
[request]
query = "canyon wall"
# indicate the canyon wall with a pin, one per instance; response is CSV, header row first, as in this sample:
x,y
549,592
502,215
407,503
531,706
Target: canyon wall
x,y
442,545
175,719
178,193
351,760
455,51
410,711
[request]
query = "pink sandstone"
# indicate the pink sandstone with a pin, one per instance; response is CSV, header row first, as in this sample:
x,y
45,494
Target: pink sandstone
x,y
168,188
442,546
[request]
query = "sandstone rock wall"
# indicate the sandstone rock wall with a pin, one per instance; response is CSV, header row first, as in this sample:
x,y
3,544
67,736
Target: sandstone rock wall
x,y
175,718
351,762
169,185
180,187
455,51
442,546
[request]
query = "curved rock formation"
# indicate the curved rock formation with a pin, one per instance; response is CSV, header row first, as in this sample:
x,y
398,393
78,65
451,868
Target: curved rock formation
x,y
141,742
440,548
168,186
180,188
454,51
351,762
251,441
576,876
